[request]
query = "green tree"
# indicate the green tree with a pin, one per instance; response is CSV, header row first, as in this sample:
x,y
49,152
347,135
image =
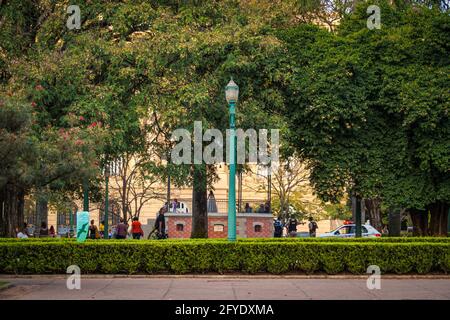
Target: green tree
x,y
372,109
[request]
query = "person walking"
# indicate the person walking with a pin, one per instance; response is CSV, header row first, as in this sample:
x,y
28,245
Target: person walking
x,y
122,229
160,224
136,229
312,226
93,231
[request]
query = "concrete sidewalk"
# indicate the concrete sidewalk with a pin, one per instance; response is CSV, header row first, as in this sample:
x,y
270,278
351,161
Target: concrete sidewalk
x,y
222,288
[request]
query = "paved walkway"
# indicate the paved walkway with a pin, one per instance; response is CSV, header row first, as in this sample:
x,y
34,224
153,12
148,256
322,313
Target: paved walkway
x,y
223,288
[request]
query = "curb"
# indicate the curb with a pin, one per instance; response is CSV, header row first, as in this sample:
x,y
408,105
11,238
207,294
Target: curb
x,y
228,277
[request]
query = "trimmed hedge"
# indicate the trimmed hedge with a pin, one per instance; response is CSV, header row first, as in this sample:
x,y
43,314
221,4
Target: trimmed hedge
x,y
202,256
306,239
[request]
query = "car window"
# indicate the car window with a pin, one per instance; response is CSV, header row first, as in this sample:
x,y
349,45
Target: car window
x,y
345,230
363,229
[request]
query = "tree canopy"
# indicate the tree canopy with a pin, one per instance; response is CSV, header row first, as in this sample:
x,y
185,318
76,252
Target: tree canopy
x,y
367,109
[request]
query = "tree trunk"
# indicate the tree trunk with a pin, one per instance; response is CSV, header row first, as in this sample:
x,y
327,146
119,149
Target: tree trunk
x,y
124,198
199,203
439,219
373,210
419,219
394,223
11,210
41,212
443,222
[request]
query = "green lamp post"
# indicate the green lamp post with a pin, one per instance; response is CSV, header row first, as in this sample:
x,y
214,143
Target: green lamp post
x,y
71,215
231,94
106,224
86,195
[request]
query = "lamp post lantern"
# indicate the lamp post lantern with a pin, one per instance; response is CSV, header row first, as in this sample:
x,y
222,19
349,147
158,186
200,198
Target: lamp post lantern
x,y
231,95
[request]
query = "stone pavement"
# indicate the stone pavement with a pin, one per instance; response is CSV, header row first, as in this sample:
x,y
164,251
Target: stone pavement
x,y
224,288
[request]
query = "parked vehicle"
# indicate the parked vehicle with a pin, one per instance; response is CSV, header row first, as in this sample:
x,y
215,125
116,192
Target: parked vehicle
x,y
349,230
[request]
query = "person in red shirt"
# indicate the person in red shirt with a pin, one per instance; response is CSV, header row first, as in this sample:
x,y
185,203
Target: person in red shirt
x,y
136,229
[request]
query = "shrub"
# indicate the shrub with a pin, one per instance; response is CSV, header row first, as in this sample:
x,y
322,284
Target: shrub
x,y
201,256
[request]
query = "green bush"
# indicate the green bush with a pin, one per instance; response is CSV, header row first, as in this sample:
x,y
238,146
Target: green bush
x,y
202,256
300,239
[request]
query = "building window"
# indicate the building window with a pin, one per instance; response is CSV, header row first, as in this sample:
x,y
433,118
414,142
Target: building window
x,y
258,228
218,228
116,167
180,227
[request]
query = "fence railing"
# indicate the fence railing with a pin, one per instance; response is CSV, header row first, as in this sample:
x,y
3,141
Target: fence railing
x,y
221,206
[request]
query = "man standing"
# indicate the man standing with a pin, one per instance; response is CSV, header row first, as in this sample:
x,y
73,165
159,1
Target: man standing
x,y
312,227
278,226
292,228
160,224
175,205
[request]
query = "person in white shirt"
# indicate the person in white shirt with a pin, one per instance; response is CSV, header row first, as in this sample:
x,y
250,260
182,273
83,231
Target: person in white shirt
x,y
20,234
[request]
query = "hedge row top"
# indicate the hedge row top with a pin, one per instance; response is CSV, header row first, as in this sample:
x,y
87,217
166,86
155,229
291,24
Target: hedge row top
x,y
258,240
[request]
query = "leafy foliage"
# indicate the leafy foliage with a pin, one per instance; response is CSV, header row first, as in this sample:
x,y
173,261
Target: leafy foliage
x,y
370,107
248,256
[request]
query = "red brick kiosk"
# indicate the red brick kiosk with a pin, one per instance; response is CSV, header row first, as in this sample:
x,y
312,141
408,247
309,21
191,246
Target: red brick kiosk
x,y
248,225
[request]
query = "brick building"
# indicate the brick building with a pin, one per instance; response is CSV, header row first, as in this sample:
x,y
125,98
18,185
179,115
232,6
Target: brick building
x,y
248,225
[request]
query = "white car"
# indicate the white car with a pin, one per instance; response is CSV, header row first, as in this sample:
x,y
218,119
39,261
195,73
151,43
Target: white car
x,y
348,231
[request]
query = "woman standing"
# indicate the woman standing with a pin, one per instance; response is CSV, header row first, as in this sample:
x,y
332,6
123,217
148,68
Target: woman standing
x,y
212,206
122,229
136,229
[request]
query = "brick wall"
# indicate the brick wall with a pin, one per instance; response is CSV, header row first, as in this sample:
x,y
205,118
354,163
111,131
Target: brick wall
x,y
259,227
247,225
218,222
184,220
